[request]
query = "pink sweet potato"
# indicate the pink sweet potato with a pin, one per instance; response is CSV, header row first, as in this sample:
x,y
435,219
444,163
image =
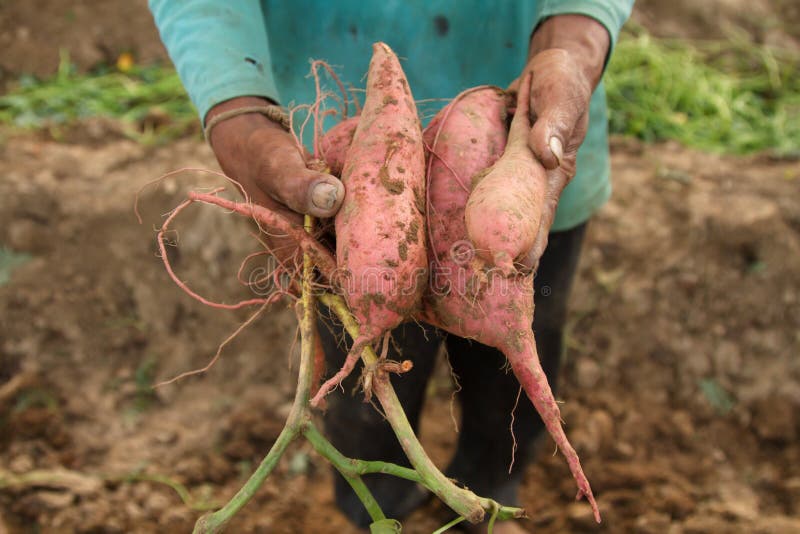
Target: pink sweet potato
x,y
503,211
380,228
463,137
334,144
466,296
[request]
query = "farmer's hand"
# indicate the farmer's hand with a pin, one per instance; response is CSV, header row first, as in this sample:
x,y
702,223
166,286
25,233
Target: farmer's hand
x,y
566,55
260,155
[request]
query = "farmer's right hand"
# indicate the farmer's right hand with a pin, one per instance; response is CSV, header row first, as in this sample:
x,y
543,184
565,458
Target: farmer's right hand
x,y
264,159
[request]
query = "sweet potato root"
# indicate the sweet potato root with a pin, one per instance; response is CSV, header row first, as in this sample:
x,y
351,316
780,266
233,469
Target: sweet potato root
x,y
380,228
333,146
275,222
467,297
504,208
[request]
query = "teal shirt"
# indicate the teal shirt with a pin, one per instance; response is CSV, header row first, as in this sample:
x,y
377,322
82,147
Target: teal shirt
x,y
225,49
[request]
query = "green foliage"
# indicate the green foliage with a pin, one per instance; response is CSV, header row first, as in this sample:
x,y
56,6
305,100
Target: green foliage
x,y
717,396
722,96
36,398
733,96
143,377
10,260
150,100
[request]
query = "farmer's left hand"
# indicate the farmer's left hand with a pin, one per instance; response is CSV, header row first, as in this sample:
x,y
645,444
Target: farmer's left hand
x,y
567,54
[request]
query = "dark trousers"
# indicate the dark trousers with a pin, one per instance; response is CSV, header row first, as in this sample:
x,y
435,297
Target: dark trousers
x,y
487,397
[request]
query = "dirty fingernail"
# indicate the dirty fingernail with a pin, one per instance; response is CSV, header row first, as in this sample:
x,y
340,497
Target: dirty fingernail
x,y
324,195
557,149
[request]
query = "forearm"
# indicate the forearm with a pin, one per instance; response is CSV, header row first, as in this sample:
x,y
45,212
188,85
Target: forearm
x,y
220,49
554,26
581,36
567,53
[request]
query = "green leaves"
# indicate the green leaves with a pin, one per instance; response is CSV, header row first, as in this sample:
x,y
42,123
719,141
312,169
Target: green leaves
x,y
729,96
732,96
10,260
151,100
717,396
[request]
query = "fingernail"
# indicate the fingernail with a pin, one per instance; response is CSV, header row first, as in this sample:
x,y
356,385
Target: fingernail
x,y
556,149
324,195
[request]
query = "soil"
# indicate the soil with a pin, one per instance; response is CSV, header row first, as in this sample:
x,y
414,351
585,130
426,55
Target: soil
x,y
771,22
34,33
681,385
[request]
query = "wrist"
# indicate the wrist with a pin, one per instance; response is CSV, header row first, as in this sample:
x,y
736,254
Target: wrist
x,y
236,103
586,40
239,125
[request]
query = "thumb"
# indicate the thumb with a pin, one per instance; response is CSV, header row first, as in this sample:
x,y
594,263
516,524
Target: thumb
x,y
285,177
560,97
551,131
323,194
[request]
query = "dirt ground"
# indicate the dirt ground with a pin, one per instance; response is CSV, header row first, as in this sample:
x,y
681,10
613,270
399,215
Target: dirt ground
x,y
34,33
681,390
681,386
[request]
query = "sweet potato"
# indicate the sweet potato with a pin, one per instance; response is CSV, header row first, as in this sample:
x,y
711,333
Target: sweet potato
x,y
503,211
380,228
465,138
333,146
467,297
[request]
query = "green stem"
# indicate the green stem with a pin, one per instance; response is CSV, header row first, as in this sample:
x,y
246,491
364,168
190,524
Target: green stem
x,y
68,479
215,522
492,519
177,487
363,467
501,513
298,416
344,466
463,502
352,467
445,528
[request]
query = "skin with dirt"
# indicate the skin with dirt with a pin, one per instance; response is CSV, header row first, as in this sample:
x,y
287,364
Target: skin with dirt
x,y
681,368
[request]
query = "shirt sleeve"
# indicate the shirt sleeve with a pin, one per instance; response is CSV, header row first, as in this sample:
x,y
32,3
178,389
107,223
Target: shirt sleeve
x,y
612,14
220,49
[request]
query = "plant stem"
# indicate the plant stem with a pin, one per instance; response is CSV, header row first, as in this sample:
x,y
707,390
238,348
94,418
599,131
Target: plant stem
x,y
492,519
215,522
352,467
501,513
445,528
344,466
76,481
177,487
363,467
463,502
298,416
468,505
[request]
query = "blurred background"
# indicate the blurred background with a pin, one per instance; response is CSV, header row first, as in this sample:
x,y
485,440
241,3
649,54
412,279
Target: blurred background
x,y
682,374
